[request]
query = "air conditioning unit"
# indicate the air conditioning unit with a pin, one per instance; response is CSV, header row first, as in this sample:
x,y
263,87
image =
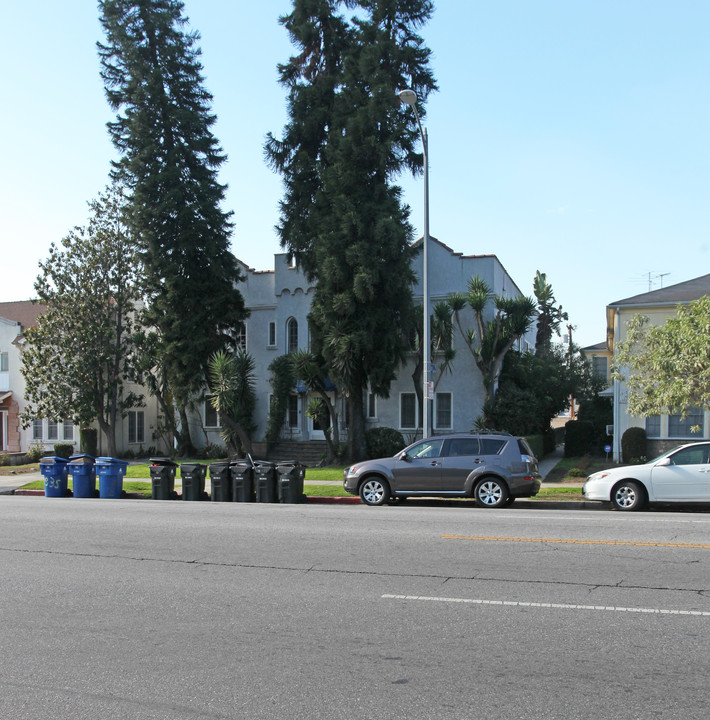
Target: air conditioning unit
x,y
610,430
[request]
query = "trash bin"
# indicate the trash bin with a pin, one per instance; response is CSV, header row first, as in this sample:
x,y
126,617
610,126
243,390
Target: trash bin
x,y
290,481
162,478
265,482
110,472
242,473
83,472
54,472
193,480
221,482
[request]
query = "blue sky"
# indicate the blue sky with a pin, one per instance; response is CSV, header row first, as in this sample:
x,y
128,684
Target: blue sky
x,y
568,137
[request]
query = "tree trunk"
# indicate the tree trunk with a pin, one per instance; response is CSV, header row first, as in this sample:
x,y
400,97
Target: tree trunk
x,y
357,445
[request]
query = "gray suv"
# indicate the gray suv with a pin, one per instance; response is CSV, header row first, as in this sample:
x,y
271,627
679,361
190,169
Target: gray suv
x,y
492,468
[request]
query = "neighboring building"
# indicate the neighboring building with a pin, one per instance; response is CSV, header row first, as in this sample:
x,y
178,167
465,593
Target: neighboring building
x,y
600,357
663,431
279,302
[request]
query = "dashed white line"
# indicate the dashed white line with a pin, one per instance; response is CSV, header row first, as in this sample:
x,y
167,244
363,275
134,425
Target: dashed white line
x,y
556,606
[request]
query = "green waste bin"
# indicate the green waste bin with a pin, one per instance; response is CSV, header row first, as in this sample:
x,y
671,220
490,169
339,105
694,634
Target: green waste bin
x,y
290,481
110,472
82,468
193,480
242,473
54,472
265,482
162,478
221,482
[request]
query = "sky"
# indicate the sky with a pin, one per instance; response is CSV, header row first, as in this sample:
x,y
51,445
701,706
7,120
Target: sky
x,y
567,136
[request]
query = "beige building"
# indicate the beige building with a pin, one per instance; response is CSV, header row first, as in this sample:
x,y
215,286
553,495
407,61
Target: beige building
x,y
663,431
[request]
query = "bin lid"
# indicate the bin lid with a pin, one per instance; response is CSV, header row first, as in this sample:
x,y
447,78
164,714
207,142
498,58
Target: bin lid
x,y
162,461
111,461
191,467
52,460
82,458
219,465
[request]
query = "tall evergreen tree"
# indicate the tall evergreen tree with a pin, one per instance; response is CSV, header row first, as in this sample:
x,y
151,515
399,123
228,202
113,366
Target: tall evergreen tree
x,y
549,314
342,218
170,159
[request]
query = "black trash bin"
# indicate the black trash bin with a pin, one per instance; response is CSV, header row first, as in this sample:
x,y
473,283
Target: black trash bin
x,y
290,480
265,482
193,480
221,482
162,478
242,473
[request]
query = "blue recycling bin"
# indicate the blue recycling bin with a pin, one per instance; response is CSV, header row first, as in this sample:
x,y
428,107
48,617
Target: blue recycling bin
x,y
111,472
83,472
54,472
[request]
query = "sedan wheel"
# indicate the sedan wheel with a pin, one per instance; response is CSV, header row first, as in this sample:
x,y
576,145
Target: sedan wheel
x,y
374,491
491,493
628,495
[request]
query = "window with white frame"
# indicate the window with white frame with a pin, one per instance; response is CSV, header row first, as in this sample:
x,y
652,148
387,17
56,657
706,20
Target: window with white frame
x,y
682,427
272,334
292,335
371,405
4,362
653,426
211,415
443,411
408,411
52,430
242,336
68,430
37,429
136,427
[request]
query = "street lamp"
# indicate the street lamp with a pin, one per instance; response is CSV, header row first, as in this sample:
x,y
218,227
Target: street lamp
x,y
409,97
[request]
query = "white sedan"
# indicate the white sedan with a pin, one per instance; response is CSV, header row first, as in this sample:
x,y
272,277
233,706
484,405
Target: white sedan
x,y
681,475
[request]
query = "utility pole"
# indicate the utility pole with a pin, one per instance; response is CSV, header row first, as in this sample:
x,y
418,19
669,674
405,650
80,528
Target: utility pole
x,y
571,398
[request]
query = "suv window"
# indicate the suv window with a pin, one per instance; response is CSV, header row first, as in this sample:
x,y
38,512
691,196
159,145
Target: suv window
x,y
491,446
463,446
425,449
524,448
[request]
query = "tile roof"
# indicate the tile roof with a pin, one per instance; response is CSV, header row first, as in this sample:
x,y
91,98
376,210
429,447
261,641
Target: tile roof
x,y
24,312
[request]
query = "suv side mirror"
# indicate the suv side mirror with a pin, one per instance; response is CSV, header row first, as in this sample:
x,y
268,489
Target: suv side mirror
x,y
403,456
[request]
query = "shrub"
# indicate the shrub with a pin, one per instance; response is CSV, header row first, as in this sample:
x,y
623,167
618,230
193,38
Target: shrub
x,y
579,436
633,445
4,458
383,442
64,450
536,445
577,472
34,453
549,441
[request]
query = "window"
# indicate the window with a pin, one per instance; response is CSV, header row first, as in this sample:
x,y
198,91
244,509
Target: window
x,y
426,449
272,334
136,426
695,455
4,363
408,411
491,446
292,335
242,336
463,446
653,426
443,410
600,366
293,411
211,415
37,429
68,430
52,430
681,427
371,405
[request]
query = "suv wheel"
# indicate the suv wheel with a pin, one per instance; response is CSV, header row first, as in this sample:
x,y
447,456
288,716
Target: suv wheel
x,y
374,491
491,493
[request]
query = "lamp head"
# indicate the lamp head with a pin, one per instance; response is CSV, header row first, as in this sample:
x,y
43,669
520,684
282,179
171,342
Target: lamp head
x,y
408,97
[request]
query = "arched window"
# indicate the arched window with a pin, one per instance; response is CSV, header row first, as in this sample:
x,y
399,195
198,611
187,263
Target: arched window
x,y
292,335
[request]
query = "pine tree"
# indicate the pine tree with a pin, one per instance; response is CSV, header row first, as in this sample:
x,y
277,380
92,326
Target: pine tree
x,y
347,139
169,160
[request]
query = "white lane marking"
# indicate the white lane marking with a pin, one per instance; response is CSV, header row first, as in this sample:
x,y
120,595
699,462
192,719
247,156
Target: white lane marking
x,y
556,606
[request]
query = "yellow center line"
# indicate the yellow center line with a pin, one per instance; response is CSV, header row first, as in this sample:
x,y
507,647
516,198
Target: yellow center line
x,y
574,541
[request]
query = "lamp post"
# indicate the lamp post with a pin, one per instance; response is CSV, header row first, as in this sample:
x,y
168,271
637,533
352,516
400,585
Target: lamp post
x,y
409,97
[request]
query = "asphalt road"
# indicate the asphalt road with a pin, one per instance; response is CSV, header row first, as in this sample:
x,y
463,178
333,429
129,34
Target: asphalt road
x,y
173,610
